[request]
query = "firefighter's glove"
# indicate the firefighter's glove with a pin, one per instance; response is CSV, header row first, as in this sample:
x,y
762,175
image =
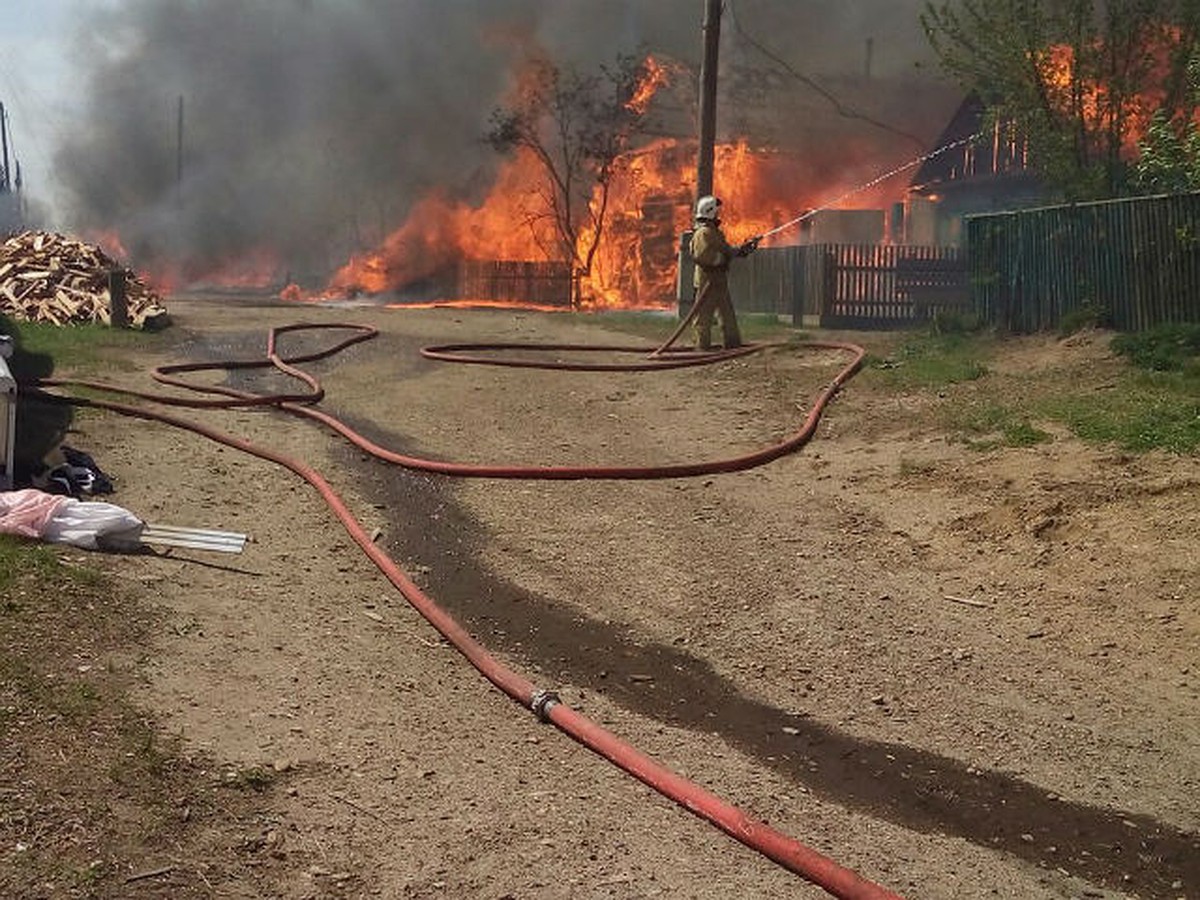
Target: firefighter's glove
x,y
748,247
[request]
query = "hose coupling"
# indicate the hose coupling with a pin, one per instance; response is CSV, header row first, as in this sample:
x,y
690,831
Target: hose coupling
x,y
541,702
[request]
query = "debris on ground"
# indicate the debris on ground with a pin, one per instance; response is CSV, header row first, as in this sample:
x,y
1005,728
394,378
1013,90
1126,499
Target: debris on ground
x,y
97,525
88,524
73,473
48,277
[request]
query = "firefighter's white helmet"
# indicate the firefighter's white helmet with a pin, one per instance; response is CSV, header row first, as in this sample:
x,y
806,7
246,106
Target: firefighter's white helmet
x,y
708,208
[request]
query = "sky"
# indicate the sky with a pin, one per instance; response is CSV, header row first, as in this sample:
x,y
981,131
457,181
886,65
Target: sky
x,y
35,82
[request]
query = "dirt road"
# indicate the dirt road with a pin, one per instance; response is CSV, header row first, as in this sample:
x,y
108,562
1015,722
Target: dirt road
x,y
960,673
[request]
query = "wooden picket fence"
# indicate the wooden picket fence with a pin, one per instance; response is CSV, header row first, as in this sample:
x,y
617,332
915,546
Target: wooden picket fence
x,y
541,283
1132,263
864,286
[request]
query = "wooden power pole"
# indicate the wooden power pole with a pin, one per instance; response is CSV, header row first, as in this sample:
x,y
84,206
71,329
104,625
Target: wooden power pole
x,y
708,97
5,180
684,291
179,152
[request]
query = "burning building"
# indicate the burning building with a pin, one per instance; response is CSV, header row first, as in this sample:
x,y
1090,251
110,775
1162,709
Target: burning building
x,y
338,146
988,170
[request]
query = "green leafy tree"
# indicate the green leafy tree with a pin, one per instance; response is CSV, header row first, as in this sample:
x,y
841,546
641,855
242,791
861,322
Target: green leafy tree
x,y
1080,80
1169,160
577,126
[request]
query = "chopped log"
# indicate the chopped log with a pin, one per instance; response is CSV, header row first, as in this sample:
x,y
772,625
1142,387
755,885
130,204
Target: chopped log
x,y
52,278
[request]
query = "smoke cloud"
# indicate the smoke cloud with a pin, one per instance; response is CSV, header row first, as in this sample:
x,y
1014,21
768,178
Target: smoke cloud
x,y
310,128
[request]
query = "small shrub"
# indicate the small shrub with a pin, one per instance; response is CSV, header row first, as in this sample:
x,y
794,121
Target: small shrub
x,y
1166,348
991,425
954,322
1082,318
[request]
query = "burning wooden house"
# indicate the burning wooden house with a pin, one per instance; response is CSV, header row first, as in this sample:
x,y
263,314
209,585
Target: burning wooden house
x,y
987,171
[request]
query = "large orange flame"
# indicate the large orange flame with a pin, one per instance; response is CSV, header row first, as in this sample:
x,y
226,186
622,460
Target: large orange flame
x,y
649,206
1069,91
646,201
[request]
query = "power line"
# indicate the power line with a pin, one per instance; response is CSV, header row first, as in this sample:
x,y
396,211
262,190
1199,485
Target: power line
x,y
870,184
839,107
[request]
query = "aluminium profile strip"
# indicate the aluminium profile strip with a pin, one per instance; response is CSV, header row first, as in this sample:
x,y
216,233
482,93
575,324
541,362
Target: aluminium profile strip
x,y
193,538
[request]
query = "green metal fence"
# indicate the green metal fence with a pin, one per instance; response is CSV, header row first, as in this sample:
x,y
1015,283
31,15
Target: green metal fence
x,y
1132,263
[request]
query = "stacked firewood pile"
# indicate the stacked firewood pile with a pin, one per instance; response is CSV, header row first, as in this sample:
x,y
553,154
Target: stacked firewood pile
x,y
46,277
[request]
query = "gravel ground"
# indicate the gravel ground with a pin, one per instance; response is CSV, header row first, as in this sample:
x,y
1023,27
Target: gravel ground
x,y
960,673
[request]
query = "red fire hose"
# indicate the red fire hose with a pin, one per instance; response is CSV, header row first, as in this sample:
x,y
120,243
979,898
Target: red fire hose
x,y
786,851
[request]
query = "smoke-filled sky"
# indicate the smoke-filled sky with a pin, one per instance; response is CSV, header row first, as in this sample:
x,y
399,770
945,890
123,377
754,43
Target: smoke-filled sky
x,y
309,125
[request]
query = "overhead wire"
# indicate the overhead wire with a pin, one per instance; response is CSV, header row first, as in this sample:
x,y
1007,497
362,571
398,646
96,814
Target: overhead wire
x,y
841,108
866,186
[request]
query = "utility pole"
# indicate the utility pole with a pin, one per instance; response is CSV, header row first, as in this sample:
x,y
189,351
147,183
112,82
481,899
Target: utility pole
x,y
684,291
5,181
179,153
708,97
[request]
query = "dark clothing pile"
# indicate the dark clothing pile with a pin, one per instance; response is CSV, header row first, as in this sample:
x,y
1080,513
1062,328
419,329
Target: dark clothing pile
x,y
77,477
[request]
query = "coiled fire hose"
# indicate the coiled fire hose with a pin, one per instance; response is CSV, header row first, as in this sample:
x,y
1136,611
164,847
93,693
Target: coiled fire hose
x,y
782,849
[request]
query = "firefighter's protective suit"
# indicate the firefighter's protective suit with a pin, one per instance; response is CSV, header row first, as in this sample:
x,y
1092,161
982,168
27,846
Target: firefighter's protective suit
x,y
712,254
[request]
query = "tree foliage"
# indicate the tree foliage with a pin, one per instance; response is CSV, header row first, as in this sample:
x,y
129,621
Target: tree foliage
x,y
1169,157
577,125
1080,80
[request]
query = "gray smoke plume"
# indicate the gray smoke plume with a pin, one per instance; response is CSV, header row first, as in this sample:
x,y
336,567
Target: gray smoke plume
x,y
310,127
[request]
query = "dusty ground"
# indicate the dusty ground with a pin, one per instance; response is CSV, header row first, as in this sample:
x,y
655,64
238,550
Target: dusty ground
x,y
961,674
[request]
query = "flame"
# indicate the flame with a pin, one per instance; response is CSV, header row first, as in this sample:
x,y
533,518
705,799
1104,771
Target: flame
x,y
255,269
655,75
474,304
109,241
1068,91
258,269
649,206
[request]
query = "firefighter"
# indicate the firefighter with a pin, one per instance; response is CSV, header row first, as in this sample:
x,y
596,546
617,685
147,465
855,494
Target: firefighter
x,y
712,254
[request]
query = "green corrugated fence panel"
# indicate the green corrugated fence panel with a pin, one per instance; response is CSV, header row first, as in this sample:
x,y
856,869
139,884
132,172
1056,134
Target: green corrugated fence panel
x,y
1136,260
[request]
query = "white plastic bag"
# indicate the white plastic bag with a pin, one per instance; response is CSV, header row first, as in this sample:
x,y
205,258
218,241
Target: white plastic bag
x,y
93,525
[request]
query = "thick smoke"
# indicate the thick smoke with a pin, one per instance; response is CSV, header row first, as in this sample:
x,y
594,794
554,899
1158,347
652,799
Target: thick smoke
x,y
310,127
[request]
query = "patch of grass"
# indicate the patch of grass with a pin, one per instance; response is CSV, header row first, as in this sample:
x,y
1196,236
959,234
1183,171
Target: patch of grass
x,y
21,558
89,877
81,348
142,752
934,361
255,779
1154,406
954,322
1023,434
94,789
991,425
1167,348
1084,317
911,469
1147,411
